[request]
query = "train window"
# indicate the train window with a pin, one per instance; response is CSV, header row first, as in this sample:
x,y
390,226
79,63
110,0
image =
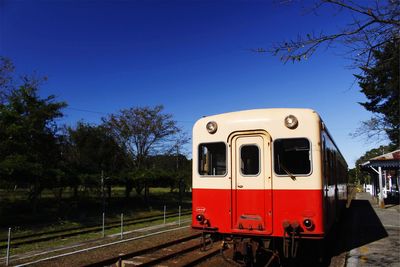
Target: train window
x,y
249,160
292,156
212,159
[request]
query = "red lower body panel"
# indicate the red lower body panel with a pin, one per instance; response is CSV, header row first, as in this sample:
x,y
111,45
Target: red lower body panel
x,y
259,212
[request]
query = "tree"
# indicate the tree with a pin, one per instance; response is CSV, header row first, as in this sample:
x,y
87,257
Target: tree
x,y
6,70
372,41
29,147
93,149
360,176
375,23
142,131
90,150
380,84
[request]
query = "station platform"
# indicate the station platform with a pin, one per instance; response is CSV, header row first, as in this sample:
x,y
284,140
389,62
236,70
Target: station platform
x,y
374,233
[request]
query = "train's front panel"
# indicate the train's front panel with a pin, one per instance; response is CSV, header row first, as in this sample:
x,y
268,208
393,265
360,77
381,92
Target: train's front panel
x,y
243,204
253,180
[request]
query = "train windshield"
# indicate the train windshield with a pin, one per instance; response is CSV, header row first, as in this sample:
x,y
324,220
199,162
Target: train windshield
x,y
292,156
212,159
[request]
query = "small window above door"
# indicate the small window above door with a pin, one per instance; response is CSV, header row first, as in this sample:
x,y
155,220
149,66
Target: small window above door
x,y
250,160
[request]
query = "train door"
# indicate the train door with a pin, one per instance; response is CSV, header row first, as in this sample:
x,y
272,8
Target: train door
x,y
251,183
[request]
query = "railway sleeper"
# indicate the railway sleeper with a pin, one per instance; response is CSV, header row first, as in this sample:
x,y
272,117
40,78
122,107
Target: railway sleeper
x,y
176,251
207,241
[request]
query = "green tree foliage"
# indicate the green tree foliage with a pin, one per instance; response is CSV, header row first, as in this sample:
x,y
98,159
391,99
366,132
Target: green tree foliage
x,y
29,150
380,84
178,167
357,175
90,150
93,149
142,131
173,171
137,148
6,70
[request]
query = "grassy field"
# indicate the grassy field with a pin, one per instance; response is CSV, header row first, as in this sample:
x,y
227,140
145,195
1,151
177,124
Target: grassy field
x,y
52,213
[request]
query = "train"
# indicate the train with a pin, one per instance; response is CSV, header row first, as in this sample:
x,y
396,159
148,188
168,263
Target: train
x,y
264,177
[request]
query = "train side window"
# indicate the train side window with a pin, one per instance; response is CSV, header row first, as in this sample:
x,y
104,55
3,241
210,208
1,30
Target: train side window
x,y
292,156
212,159
250,160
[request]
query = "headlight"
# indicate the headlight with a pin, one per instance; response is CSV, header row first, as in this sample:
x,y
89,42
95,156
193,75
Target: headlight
x,y
212,127
291,122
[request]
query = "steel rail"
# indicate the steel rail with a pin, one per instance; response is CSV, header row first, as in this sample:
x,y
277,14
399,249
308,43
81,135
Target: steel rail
x,y
182,253
113,260
25,256
102,246
64,233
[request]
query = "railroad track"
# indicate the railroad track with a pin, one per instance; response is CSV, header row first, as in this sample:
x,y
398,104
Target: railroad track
x,y
58,234
186,251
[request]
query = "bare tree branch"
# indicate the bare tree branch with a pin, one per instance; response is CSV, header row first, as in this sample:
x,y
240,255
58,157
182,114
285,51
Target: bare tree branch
x,y
372,27
142,131
372,130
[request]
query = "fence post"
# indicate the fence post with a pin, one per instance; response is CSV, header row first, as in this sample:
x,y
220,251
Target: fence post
x,y
179,215
165,210
122,225
8,247
104,217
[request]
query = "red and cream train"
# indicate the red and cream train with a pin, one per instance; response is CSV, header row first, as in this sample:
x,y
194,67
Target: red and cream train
x,y
266,174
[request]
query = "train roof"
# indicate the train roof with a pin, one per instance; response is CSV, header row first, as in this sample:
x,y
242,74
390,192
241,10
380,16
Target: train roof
x,y
263,112
268,114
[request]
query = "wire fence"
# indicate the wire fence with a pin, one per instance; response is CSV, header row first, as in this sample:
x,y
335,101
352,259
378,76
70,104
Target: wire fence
x,y
122,225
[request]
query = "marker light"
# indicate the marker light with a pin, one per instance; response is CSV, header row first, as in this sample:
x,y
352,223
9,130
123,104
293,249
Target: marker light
x,y
200,218
291,122
308,224
212,127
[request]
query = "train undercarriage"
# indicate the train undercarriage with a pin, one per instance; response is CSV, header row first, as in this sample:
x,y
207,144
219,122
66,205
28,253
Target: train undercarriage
x,y
290,250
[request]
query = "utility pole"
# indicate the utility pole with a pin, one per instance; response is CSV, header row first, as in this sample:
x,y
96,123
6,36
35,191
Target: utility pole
x,y
102,191
177,157
103,204
381,200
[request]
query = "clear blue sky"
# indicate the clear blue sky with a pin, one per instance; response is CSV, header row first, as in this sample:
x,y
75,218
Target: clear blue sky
x,y
191,56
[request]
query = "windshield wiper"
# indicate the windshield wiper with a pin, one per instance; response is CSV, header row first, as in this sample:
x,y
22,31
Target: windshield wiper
x,y
287,172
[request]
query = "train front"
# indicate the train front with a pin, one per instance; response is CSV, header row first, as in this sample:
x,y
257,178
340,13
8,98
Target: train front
x,y
258,175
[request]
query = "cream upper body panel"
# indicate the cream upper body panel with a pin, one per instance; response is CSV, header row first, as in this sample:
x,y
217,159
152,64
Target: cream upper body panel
x,y
272,122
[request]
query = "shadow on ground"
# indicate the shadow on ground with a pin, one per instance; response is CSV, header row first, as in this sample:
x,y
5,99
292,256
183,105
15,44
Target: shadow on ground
x,y
359,226
392,200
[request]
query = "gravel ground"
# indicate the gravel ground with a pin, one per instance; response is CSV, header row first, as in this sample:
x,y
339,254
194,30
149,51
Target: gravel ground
x,y
120,249
376,234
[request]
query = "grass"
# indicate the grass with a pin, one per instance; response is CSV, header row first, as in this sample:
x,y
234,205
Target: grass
x,y
52,214
116,191
69,212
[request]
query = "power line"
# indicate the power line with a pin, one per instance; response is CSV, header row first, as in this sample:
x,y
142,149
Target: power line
x,y
103,113
86,110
